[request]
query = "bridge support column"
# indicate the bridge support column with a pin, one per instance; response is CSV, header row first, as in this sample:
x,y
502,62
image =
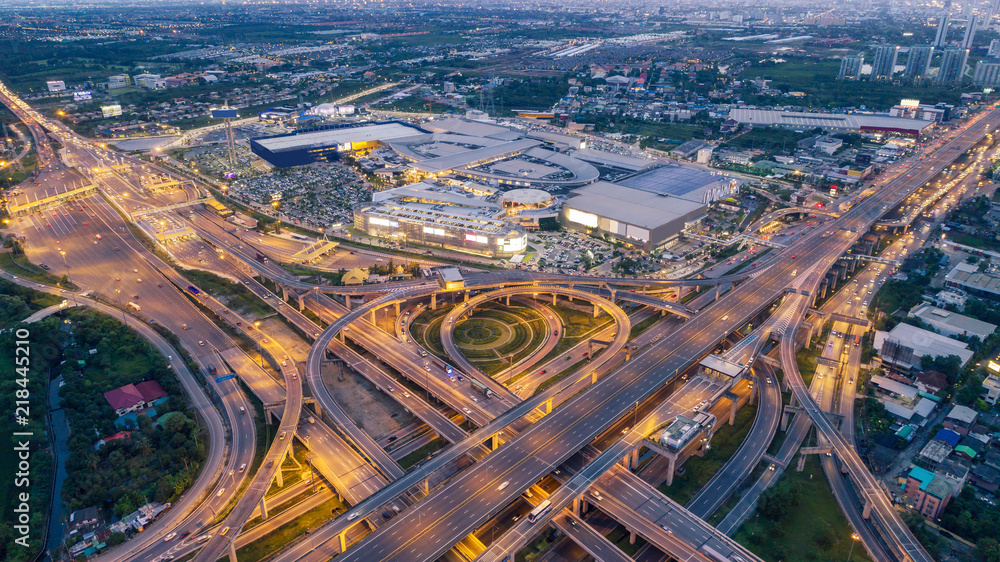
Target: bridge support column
x,y
628,353
397,309
284,293
867,511
718,291
627,461
434,301
546,407
263,509
318,407
302,303
631,537
465,297
232,549
734,404
634,461
671,467
494,441
597,311
425,485
593,377
553,299
373,317
576,507
340,334
342,538
784,420
508,301
347,302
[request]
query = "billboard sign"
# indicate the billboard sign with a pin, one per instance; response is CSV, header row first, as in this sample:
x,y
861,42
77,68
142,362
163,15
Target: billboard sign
x,y
224,113
111,110
82,96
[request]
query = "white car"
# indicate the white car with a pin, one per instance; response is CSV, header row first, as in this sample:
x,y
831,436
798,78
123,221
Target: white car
x,y
353,516
169,537
504,485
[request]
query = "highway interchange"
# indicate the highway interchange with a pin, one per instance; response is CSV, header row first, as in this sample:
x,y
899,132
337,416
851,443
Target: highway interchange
x,y
89,238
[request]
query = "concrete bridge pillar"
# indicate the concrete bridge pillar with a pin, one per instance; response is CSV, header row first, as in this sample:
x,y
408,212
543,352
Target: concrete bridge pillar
x,y
342,538
425,485
631,537
784,420
671,467
302,303
867,511
284,293
465,297
627,461
634,461
553,299
373,316
597,309
494,441
508,301
718,291
232,549
570,297
434,301
546,407
340,334
263,509
347,301
628,353
593,377
397,308
576,507
734,405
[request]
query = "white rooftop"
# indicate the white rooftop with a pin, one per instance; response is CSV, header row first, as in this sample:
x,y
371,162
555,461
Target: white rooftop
x,y
346,135
855,121
922,342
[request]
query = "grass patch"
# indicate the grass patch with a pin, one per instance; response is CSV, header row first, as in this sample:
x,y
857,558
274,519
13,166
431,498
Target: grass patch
x,y
813,527
233,295
642,326
22,267
806,361
278,538
699,470
422,453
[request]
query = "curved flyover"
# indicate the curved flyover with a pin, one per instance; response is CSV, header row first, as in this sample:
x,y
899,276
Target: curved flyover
x,y
456,355
254,493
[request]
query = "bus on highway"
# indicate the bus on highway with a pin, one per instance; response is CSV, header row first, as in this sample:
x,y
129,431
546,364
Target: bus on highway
x,y
539,511
193,290
857,341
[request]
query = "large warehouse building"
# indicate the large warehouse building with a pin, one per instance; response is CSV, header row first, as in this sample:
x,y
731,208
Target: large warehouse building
x,y
325,144
836,122
643,218
453,217
646,209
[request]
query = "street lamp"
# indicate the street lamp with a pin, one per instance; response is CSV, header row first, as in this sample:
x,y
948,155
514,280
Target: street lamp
x,y
855,538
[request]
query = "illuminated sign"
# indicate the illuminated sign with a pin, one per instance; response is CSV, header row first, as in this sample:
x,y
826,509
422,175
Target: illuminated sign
x,y
81,96
477,238
111,110
580,217
993,366
383,222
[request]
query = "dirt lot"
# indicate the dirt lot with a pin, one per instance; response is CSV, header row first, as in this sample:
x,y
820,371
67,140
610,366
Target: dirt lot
x,y
297,348
371,409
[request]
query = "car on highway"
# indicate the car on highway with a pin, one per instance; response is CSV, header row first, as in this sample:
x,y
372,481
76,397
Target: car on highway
x,y
243,467
224,531
466,410
243,410
201,342
353,516
169,537
504,485
221,491
571,521
203,538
